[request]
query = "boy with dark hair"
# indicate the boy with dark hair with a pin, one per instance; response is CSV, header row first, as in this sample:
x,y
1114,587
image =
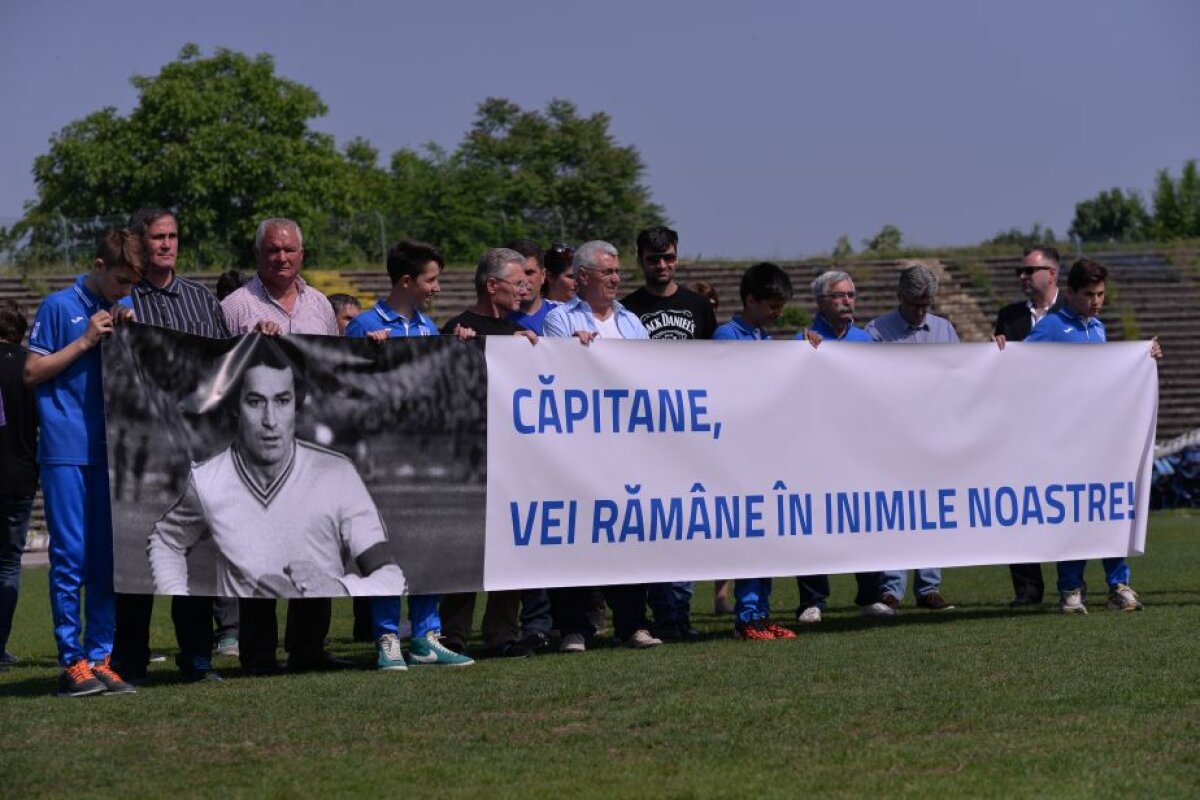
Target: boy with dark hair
x,y
64,364
18,464
1077,321
765,288
534,306
413,268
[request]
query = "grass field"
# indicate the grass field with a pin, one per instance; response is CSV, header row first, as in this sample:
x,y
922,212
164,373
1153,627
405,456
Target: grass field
x,y
979,702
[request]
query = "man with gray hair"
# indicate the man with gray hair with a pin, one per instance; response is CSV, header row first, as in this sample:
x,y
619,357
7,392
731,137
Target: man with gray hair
x,y
500,287
834,295
276,299
594,311
911,323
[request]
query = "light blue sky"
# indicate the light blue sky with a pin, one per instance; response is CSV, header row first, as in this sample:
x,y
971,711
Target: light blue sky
x,y
768,128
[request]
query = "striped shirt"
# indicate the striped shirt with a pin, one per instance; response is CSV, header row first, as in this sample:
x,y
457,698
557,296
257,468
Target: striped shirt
x,y
182,305
251,304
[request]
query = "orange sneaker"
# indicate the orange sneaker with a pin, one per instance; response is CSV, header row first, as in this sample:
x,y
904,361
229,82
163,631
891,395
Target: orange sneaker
x,y
111,680
778,631
78,680
752,631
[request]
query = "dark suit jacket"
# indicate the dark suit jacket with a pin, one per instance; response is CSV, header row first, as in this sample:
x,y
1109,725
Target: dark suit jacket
x,y
1013,321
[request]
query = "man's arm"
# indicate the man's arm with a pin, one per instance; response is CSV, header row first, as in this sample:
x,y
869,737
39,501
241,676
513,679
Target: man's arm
x,y
179,529
41,367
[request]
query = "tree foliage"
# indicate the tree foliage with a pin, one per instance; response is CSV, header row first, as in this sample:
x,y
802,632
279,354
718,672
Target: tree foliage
x,y
888,240
1111,216
1016,237
226,141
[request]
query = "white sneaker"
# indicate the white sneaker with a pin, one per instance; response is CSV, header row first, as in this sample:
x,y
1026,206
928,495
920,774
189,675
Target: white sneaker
x,y
1122,598
879,611
811,615
1072,602
642,639
573,643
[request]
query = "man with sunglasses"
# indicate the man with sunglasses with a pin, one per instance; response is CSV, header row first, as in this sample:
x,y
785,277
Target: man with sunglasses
x,y
669,311
1038,275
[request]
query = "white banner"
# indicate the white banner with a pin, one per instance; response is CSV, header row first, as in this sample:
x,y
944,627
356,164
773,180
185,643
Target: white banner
x,y
629,462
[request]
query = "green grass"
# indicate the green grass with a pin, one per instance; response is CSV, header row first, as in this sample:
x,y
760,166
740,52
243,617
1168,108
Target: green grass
x,y
979,702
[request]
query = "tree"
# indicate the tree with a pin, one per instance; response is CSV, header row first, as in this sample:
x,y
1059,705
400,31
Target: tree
x,y
1111,216
222,139
842,249
1177,204
1015,237
888,240
548,176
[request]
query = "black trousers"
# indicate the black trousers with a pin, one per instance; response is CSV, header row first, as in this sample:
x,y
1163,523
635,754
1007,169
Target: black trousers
x,y
191,616
1027,581
304,638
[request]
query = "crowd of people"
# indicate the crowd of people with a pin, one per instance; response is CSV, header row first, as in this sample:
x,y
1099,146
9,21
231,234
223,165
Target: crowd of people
x,y
521,290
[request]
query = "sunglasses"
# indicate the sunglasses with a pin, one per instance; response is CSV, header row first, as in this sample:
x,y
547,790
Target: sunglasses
x,y
666,258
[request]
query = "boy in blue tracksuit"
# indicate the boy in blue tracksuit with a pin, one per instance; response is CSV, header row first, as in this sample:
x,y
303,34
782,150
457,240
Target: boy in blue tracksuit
x,y
413,268
64,365
765,288
1077,322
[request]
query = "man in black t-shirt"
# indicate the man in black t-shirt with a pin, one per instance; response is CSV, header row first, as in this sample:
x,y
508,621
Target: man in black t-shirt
x,y
669,311
500,286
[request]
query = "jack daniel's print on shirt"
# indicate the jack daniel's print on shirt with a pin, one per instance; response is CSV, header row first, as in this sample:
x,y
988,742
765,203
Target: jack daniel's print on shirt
x,y
683,315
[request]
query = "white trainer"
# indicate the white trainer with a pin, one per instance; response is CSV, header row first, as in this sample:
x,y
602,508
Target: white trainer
x,y
1071,602
878,611
573,643
642,639
812,615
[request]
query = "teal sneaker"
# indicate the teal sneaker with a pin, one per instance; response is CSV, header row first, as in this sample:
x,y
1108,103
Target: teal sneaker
x,y
428,651
390,657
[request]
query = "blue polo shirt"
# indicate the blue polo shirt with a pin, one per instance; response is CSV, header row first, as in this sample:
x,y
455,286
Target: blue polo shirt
x,y
1064,325
382,317
738,329
535,322
71,404
825,331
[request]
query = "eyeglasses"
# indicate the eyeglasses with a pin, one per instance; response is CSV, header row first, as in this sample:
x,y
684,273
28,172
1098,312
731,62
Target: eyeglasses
x,y
841,295
1025,272
654,258
521,284
611,272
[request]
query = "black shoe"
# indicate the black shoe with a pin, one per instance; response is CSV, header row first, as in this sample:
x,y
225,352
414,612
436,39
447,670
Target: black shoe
x,y
686,632
510,650
666,631
263,669
536,642
325,662
1025,602
199,671
7,659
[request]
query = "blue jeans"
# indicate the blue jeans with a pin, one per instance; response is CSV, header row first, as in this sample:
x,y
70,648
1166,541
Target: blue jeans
x,y
536,616
924,581
1070,573
422,613
670,602
752,599
14,523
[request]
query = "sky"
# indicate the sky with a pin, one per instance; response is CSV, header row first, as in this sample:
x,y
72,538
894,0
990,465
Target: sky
x,y
768,129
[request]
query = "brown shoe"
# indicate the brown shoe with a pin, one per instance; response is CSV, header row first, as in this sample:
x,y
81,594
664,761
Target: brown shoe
x,y
934,602
890,600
